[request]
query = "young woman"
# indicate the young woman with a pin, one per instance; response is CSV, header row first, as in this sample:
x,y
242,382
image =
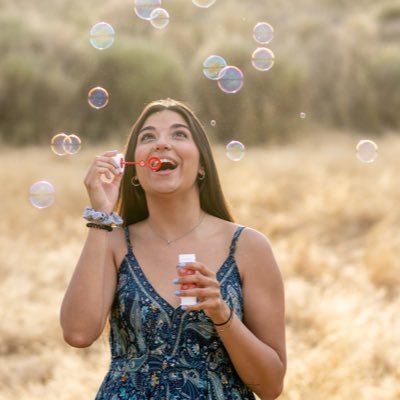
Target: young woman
x,y
231,341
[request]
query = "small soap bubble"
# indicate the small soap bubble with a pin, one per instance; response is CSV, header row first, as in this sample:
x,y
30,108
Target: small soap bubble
x,y
303,115
263,32
203,3
159,18
102,36
57,144
235,150
230,79
367,151
144,8
98,97
263,59
213,65
72,144
213,123
42,194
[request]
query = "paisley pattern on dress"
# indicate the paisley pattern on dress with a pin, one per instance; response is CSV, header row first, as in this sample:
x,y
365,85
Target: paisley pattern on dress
x,y
160,352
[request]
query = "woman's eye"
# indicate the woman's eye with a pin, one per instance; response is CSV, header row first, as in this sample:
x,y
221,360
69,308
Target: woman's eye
x,y
181,134
145,137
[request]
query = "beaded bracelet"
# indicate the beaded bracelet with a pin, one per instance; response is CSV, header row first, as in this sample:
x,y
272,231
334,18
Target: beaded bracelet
x,y
102,217
99,226
229,318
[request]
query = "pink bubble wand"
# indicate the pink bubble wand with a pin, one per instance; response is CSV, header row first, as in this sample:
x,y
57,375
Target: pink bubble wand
x,y
154,163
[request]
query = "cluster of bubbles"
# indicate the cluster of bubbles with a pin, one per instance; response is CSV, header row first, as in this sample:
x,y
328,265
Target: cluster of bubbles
x,y
62,144
229,77
263,58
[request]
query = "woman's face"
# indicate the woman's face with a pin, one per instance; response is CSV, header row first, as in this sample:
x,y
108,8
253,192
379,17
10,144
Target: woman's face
x,y
165,134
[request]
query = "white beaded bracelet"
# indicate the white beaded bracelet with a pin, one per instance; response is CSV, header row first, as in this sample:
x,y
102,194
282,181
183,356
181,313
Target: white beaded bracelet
x,y
101,217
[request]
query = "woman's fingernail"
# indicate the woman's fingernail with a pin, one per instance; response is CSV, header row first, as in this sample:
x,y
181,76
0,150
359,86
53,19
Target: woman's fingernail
x,y
177,292
176,280
181,265
184,307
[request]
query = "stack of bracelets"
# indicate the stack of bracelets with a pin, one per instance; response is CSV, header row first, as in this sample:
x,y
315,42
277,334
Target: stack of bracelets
x,y
101,220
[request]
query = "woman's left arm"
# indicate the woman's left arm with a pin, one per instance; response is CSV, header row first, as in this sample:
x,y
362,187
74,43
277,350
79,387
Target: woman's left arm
x,y
256,346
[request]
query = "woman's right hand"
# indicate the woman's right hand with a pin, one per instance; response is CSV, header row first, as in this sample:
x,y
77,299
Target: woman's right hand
x,y
103,194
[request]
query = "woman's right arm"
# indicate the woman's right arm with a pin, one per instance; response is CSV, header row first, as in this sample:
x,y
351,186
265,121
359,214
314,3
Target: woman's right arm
x,y
89,296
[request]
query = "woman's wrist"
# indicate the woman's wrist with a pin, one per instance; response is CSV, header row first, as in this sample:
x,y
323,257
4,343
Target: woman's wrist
x,y
225,316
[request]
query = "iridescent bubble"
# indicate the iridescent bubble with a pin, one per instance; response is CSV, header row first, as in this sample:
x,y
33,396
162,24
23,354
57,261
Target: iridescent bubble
x,y
235,150
144,8
263,32
203,3
57,144
230,79
72,144
98,97
367,151
42,194
213,123
213,65
102,36
263,59
159,18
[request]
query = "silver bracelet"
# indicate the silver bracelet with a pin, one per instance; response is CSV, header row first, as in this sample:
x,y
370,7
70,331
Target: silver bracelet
x,y
101,217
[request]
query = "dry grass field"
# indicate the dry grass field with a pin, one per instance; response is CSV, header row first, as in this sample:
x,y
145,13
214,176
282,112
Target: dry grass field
x,y
332,220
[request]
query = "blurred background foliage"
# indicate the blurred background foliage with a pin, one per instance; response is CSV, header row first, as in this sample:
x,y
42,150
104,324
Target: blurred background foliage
x,y
338,61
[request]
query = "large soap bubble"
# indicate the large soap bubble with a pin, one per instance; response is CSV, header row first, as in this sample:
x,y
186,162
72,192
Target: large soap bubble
x,y
144,8
230,79
102,36
263,59
41,194
263,32
213,65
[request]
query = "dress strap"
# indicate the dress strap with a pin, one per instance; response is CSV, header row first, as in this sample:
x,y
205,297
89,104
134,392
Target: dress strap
x,y
235,237
128,240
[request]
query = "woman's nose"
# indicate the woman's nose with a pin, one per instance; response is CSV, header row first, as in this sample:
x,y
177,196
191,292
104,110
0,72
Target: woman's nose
x,y
161,145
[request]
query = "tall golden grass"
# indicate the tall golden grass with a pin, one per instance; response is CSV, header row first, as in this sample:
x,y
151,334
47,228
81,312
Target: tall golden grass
x,y
334,225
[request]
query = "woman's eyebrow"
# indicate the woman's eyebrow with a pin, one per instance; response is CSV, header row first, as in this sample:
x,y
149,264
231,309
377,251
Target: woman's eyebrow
x,y
173,126
145,128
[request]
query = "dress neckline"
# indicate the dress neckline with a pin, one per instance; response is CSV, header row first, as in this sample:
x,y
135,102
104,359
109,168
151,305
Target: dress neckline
x,y
151,288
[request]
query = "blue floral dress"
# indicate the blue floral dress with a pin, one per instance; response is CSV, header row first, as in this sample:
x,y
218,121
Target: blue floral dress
x,y
161,352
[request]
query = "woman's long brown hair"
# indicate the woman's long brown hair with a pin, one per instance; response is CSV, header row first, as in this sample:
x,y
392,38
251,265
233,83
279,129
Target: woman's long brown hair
x,y
132,204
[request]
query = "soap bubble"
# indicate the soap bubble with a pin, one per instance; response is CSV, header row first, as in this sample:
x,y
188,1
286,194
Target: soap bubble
x,y
42,194
98,97
72,144
367,151
203,3
102,36
262,59
263,32
302,115
213,65
57,144
235,150
144,8
230,79
213,122
159,18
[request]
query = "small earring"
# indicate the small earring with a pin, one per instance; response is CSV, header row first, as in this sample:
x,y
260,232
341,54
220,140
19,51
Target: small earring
x,y
135,181
201,176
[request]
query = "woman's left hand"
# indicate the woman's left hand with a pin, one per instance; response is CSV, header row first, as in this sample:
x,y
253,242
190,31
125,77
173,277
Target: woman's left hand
x,y
197,280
